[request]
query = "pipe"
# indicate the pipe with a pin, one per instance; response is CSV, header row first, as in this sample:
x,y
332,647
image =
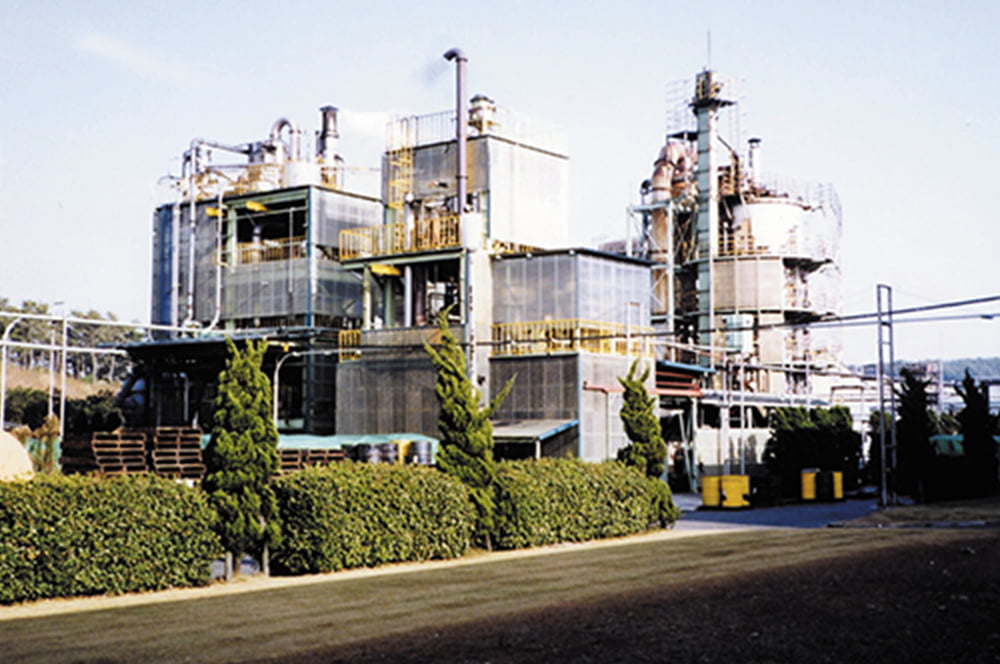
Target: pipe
x,y
218,265
193,227
62,384
461,177
3,370
175,275
294,151
461,125
190,167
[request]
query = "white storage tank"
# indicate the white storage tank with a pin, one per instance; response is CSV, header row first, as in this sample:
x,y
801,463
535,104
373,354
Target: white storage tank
x,y
776,226
300,173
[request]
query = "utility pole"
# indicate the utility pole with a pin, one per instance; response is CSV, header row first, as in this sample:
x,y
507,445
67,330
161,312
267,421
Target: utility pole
x,y
887,462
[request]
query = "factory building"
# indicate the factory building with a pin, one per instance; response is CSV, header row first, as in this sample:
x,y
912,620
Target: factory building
x,y
743,264
476,227
472,223
249,250
722,273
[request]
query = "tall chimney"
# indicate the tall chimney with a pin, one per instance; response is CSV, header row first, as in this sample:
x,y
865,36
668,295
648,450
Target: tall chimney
x,y
753,161
326,139
461,125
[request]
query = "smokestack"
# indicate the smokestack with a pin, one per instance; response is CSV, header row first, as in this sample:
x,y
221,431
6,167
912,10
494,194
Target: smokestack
x,y
461,124
326,137
753,160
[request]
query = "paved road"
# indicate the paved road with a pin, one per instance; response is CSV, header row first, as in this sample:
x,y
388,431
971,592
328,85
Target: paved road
x,y
800,515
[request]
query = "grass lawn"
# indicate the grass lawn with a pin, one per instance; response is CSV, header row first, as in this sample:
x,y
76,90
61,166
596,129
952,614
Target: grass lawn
x,y
773,595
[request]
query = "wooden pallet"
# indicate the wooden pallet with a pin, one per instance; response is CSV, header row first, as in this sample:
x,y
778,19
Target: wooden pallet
x,y
77,455
120,452
176,452
77,465
163,437
297,459
185,471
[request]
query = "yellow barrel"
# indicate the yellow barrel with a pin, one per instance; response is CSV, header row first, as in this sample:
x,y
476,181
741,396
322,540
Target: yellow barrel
x,y
838,485
809,483
711,491
735,491
404,451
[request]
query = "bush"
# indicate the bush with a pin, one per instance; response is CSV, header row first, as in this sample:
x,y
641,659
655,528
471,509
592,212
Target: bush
x,y
812,438
362,515
67,536
567,500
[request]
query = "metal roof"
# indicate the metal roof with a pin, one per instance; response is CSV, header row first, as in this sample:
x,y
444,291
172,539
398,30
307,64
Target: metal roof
x,y
529,431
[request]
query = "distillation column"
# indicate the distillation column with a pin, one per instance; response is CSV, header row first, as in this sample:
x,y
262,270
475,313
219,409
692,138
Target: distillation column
x,y
706,105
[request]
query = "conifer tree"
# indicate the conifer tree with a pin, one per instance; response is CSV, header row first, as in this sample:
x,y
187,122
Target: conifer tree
x,y
466,450
242,457
977,436
913,435
647,451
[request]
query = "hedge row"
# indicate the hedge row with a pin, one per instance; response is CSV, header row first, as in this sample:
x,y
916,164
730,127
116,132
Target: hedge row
x,y
568,500
68,536
362,515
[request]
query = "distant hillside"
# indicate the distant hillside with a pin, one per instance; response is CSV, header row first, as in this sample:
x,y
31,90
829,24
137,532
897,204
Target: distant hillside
x,y
979,367
39,379
954,370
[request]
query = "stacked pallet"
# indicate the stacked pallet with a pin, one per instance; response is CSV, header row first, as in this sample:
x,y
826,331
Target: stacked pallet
x,y
176,452
297,459
119,452
78,455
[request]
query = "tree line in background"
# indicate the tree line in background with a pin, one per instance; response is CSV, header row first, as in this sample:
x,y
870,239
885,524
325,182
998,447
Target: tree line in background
x,y
820,438
932,463
938,456
79,364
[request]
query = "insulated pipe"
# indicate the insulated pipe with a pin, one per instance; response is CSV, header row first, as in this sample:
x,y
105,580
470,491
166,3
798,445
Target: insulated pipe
x,y
190,164
3,370
193,226
218,265
295,134
461,128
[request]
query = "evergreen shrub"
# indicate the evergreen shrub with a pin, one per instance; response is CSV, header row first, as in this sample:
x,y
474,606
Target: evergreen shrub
x,y
68,536
548,501
362,515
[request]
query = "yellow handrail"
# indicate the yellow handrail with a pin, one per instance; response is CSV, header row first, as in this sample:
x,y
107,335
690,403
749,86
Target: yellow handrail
x,y
571,335
390,239
270,250
349,339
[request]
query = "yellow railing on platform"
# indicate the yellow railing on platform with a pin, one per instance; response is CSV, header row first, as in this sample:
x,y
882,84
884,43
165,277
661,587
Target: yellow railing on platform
x,y
270,250
348,339
571,335
391,239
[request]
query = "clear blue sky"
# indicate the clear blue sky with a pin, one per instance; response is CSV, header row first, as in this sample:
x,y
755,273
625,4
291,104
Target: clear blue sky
x,y
895,103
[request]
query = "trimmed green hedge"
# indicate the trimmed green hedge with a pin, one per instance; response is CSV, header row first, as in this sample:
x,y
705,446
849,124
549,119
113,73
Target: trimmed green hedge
x,y
567,500
362,515
67,536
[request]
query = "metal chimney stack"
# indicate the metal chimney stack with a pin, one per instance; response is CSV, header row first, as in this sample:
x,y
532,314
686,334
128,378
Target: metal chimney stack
x,y
461,128
328,134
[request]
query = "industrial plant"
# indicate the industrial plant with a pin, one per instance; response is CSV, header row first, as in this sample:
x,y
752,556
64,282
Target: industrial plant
x,y
718,273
